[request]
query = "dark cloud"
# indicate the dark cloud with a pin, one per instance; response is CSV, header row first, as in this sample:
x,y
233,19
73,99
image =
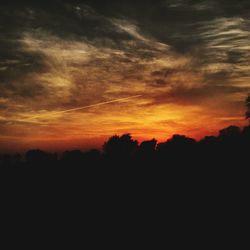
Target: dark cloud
x,y
166,72
180,24
160,82
129,40
196,96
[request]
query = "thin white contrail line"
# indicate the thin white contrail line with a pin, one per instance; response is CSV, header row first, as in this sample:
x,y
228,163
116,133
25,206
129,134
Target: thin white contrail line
x,y
98,104
84,107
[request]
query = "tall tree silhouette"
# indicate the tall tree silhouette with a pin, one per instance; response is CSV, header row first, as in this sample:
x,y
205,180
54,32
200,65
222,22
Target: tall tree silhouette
x,y
248,108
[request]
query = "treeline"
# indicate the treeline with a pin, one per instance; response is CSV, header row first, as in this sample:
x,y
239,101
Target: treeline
x,y
230,148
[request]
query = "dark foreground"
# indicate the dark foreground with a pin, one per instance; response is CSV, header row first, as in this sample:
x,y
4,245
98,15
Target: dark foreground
x,y
180,184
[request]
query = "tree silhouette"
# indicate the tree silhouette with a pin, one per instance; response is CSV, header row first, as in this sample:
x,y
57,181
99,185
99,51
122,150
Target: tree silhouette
x,y
177,150
146,151
248,108
40,158
74,157
120,147
230,147
177,142
148,147
230,133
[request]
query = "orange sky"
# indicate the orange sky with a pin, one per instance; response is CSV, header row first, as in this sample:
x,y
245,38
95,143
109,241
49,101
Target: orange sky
x,y
89,128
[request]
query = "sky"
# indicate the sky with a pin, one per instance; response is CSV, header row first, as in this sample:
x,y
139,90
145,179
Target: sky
x,y
75,72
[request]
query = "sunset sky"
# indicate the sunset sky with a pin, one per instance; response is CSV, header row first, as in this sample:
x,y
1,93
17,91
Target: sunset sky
x,y
75,72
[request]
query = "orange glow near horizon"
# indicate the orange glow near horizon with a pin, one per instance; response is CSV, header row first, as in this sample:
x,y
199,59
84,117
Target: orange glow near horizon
x,y
89,128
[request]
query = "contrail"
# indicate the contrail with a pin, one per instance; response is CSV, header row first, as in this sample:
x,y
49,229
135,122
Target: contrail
x,y
98,104
84,107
